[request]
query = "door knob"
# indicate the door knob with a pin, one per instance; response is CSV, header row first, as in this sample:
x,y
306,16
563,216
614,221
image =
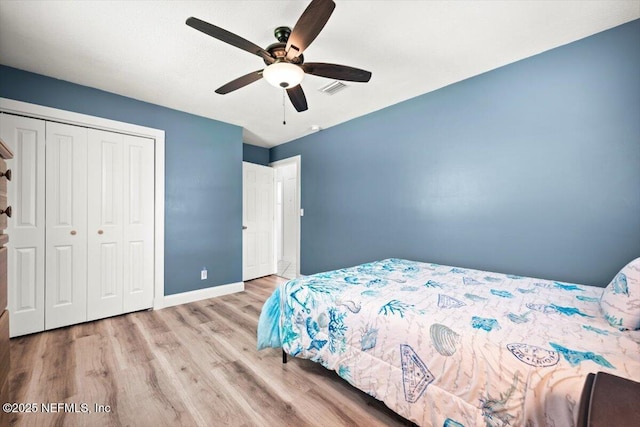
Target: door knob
x,y
73,232
6,174
100,231
7,211
244,227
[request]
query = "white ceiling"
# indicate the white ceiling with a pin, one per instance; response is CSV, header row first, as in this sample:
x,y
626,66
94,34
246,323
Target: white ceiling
x,y
144,50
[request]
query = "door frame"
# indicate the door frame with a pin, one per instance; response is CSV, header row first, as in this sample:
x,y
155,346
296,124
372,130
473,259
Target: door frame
x,y
35,111
295,160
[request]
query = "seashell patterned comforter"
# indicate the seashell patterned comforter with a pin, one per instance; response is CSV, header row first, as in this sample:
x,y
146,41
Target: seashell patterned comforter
x,y
448,346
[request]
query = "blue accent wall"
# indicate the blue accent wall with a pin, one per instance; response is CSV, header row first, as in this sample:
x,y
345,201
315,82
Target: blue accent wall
x,y
531,169
203,183
255,154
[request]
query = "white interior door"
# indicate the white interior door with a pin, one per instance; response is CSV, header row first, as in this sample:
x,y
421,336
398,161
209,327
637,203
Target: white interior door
x,y
138,223
105,224
258,211
66,229
287,179
26,228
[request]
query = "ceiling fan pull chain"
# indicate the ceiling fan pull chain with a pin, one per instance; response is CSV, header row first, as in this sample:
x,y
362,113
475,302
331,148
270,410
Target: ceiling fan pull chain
x,y
284,118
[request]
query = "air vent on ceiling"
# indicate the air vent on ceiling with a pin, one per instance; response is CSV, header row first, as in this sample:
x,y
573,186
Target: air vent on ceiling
x,y
332,88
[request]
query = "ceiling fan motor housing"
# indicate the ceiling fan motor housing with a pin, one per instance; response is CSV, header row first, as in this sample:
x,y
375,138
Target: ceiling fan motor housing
x,y
282,34
278,50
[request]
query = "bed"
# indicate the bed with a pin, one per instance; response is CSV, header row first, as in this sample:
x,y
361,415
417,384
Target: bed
x,y
449,346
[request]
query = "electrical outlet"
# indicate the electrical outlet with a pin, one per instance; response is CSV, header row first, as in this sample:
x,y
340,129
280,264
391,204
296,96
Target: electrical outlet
x,y
203,274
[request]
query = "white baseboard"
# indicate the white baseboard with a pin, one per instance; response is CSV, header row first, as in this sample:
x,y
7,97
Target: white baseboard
x,y
197,295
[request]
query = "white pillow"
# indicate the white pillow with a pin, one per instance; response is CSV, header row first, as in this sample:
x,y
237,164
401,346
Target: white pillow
x,y
620,301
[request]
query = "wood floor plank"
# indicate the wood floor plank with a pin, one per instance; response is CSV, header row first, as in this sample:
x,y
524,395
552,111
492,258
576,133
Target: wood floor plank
x,y
60,360
155,324
245,297
199,391
130,347
189,365
154,403
258,394
97,375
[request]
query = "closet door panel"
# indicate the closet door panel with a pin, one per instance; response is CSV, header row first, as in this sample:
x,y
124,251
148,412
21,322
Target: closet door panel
x,y
138,222
26,227
66,229
105,224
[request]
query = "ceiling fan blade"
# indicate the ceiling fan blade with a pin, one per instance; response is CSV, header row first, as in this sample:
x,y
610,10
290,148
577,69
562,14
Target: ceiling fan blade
x,y
338,72
299,101
309,25
240,82
228,37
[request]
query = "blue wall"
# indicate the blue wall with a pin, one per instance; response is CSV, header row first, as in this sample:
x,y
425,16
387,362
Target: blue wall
x,y
255,154
203,187
531,169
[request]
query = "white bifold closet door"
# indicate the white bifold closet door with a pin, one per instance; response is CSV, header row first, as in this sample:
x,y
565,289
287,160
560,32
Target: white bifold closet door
x,y
138,220
106,199
66,225
81,241
26,227
120,229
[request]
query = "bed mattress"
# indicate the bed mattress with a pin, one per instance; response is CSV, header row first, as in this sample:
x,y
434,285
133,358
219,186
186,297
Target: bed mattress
x,y
448,346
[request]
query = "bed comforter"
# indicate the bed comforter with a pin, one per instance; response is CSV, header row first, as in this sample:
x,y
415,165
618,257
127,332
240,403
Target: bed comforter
x,y
448,346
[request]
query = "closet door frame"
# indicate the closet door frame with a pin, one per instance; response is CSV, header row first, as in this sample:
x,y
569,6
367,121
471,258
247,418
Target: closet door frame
x,y
53,114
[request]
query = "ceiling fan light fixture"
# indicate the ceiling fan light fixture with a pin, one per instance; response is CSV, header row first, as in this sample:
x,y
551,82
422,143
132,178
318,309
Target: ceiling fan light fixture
x,y
283,75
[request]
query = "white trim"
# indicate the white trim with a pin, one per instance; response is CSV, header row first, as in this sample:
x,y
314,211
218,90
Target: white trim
x,y
69,117
295,160
56,115
200,294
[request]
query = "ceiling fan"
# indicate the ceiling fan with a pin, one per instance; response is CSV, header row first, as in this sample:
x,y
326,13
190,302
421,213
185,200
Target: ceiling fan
x,y
285,63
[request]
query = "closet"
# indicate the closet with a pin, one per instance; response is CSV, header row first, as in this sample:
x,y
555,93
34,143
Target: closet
x,y
82,232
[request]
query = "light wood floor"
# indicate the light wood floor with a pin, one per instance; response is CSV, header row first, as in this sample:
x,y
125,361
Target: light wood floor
x,y
189,365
